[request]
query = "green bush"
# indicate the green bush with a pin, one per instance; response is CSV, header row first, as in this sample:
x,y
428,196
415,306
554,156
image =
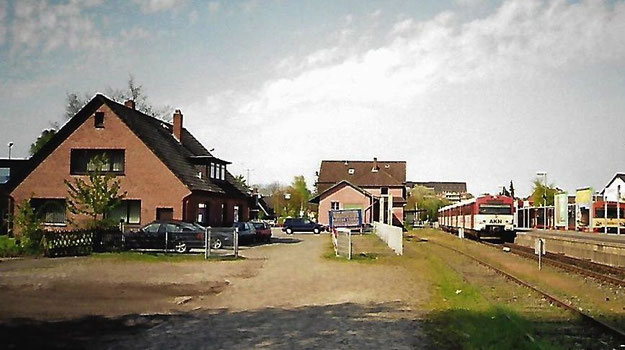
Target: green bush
x,y
29,228
8,247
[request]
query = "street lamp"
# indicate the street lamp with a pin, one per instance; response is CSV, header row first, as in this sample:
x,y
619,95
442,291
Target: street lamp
x,y
544,175
10,146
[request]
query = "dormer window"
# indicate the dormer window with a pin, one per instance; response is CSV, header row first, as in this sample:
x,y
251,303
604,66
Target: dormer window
x,y
99,120
351,171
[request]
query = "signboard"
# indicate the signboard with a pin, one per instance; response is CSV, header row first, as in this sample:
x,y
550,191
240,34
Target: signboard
x,y
346,218
561,203
584,196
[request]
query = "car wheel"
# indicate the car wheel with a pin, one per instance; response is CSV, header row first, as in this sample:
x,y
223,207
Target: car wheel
x,y
181,247
216,243
316,231
289,231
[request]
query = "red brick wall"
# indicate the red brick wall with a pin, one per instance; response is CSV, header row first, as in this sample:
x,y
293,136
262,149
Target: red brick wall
x,y
214,208
146,177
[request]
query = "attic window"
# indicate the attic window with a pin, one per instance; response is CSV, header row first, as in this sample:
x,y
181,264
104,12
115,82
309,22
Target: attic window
x,y
99,120
374,169
351,171
387,166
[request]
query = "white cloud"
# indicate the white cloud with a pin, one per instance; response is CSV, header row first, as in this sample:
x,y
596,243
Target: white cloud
x,y
213,7
150,6
3,24
376,90
193,15
249,5
47,27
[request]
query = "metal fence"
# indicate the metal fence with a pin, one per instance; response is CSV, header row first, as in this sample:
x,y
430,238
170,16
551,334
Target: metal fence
x,y
221,241
342,242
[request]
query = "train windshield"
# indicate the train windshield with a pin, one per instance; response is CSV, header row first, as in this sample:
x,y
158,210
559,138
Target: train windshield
x,y
495,209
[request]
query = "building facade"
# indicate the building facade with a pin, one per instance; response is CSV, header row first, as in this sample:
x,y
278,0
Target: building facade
x,y
165,172
364,185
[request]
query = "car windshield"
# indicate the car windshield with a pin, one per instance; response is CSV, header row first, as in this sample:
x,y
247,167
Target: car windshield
x,y
259,225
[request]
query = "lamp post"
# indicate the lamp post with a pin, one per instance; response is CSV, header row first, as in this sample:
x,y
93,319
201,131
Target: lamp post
x,y
544,175
10,146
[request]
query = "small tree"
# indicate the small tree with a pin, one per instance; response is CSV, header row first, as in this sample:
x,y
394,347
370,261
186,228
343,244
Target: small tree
x,y
543,194
28,225
45,136
96,197
511,189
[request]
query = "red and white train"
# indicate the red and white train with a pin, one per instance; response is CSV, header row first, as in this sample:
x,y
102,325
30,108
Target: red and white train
x,y
481,217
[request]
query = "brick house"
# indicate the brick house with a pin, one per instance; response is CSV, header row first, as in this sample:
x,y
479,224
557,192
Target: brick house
x,y
166,172
361,184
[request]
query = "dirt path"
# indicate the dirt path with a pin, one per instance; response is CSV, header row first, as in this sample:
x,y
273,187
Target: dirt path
x,y
284,296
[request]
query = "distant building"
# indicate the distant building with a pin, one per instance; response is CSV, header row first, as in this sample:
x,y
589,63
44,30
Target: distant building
x,y
452,191
610,191
362,185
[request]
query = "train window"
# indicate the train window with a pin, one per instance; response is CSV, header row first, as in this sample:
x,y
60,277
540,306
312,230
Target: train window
x,y
495,209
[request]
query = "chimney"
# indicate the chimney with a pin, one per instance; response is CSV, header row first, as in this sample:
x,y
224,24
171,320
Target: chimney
x,y
375,164
178,125
130,104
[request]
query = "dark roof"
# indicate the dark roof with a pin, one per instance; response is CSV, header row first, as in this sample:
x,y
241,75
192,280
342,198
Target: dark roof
x,y
317,198
441,186
157,136
390,173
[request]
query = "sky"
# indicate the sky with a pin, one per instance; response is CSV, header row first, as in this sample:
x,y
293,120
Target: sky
x,y
481,91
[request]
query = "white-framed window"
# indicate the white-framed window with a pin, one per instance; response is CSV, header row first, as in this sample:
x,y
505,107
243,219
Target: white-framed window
x,y
351,171
335,205
212,175
223,172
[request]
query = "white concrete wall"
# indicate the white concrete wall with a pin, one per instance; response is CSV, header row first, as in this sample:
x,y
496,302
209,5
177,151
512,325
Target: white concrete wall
x,y
391,235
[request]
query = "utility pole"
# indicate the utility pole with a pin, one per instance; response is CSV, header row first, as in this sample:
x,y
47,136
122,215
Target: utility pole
x,y
618,209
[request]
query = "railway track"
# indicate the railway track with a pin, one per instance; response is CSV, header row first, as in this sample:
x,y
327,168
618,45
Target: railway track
x,y
618,333
600,272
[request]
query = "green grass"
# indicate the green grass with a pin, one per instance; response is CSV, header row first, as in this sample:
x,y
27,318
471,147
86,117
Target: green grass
x,y
462,318
8,247
161,257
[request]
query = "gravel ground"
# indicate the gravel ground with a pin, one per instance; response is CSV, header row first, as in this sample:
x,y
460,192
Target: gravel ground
x,y
284,296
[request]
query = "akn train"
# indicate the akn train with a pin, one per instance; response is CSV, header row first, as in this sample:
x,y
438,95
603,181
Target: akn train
x,y
481,217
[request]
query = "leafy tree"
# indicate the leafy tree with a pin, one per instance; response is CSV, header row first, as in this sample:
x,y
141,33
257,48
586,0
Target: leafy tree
x,y
45,136
97,196
425,199
240,179
135,92
511,189
299,196
543,193
28,225
504,192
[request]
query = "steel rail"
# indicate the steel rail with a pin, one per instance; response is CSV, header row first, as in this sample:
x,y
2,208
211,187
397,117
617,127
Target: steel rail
x,y
601,324
569,266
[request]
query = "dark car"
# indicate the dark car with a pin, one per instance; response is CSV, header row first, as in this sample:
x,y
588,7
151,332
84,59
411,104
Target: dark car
x,y
180,236
301,225
263,231
247,232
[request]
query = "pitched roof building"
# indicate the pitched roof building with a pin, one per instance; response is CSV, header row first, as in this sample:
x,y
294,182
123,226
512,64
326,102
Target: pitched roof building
x,y
345,184
166,172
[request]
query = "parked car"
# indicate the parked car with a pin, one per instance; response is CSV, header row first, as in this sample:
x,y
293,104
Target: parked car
x,y
247,232
301,225
181,236
263,231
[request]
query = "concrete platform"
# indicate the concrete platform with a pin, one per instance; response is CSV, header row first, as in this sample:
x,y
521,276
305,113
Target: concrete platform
x,y
597,247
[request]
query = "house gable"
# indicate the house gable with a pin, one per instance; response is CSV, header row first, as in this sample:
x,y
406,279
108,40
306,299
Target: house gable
x,y
145,176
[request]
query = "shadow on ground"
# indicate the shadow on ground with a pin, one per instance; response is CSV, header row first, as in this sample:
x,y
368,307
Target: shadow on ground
x,y
382,326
